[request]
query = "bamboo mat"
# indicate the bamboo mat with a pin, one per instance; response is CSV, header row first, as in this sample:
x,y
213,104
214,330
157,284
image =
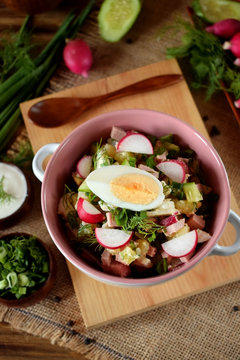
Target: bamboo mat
x,y
204,326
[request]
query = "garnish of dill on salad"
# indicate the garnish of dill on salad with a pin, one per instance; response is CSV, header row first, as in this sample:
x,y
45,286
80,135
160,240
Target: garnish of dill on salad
x,y
140,204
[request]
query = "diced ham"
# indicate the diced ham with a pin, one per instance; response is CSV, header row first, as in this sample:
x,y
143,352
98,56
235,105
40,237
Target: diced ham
x,y
116,268
90,258
148,169
152,251
173,268
106,258
203,236
171,229
110,220
143,262
169,220
175,264
196,222
186,160
162,157
119,259
186,258
166,256
117,133
204,189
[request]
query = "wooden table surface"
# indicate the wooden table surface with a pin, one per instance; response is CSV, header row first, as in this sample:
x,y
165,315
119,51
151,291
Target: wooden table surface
x,y
217,112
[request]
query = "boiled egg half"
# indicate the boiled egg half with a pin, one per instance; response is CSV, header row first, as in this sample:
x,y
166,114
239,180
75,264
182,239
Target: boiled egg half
x,y
126,187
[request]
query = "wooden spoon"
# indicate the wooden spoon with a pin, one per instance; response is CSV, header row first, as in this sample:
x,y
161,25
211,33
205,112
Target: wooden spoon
x,y
55,112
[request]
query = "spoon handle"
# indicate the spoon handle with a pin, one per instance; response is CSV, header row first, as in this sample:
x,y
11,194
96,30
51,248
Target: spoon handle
x,y
149,84
54,112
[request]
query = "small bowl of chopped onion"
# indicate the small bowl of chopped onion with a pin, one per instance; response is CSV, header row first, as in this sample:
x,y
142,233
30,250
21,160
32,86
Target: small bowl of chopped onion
x,y
27,270
15,193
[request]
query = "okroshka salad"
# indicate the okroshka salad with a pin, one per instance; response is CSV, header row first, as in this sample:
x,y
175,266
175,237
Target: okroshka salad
x,y
139,205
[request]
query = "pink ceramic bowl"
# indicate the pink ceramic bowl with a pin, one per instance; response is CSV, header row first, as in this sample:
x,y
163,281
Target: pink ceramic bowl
x,y
64,160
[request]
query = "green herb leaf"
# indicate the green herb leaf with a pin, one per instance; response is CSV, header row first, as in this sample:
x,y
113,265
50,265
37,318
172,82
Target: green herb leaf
x,y
211,65
150,162
137,221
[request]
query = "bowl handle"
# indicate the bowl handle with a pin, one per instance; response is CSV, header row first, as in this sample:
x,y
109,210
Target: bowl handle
x,y
234,219
41,154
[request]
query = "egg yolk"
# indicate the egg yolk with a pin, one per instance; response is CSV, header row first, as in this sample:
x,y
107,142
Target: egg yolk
x,y
135,188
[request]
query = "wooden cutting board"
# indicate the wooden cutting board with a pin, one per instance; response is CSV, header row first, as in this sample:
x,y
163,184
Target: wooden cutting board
x,y
101,303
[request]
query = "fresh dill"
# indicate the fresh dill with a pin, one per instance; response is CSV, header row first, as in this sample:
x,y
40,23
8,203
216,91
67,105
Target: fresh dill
x,y
211,65
4,196
86,236
97,147
137,221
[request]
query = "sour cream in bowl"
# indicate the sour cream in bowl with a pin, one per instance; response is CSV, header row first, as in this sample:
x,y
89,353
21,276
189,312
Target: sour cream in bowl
x,y
14,192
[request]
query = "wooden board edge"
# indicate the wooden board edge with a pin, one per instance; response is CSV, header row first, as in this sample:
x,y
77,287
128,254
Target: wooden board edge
x,y
166,302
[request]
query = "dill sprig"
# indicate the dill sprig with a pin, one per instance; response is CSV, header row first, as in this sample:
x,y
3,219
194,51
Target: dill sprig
x,y
87,237
137,221
97,147
211,65
4,196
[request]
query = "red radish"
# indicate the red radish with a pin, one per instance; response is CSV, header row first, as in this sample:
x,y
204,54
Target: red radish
x,y
174,169
225,29
88,213
84,166
168,220
183,163
237,103
78,57
181,245
237,62
233,45
112,238
136,143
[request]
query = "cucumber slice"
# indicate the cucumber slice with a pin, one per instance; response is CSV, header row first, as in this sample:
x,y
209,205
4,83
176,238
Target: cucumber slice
x,y
116,17
216,10
83,187
191,192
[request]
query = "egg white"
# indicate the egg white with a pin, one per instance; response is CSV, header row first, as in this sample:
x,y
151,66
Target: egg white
x,y
99,181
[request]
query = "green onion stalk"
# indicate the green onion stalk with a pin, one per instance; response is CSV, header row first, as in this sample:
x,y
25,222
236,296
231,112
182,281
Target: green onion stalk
x,y
29,81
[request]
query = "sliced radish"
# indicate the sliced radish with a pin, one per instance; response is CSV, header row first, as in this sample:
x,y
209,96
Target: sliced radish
x,y
88,213
181,245
113,238
84,166
174,169
136,143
